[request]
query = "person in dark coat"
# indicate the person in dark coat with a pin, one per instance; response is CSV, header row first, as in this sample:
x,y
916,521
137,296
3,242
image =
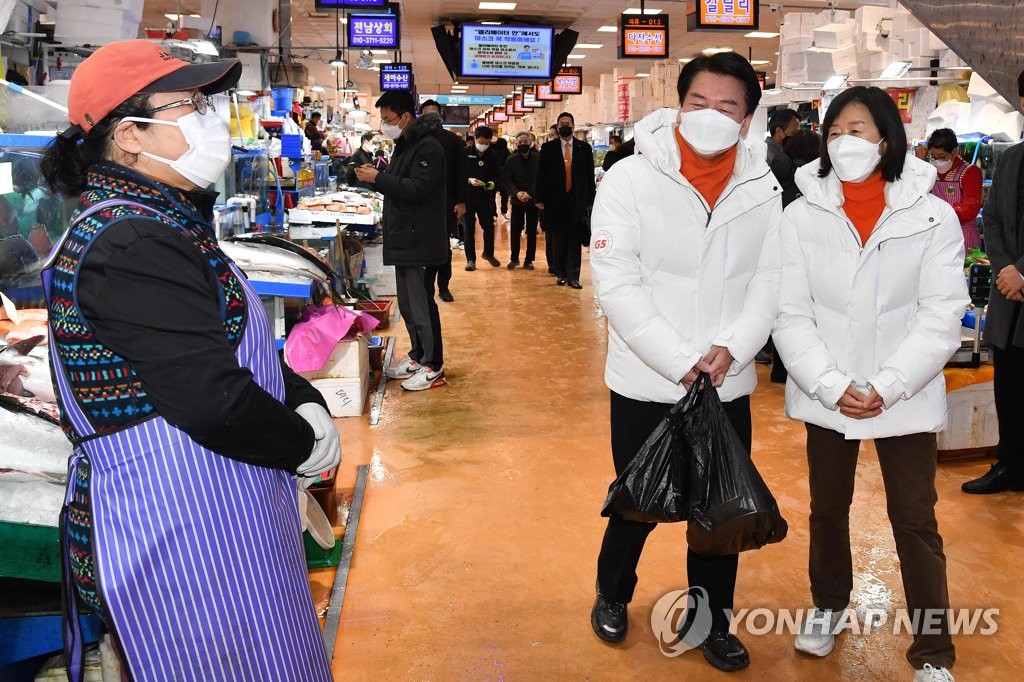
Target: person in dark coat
x,y
316,138
1004,328
458,188
483,167
362,157
613,154
415,230
565,191
520,176
782,124
500,146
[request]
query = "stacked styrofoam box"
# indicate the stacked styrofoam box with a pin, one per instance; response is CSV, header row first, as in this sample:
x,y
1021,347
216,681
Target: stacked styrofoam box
x,y
990,113
835,36
830,17
97,21
822,63
375,269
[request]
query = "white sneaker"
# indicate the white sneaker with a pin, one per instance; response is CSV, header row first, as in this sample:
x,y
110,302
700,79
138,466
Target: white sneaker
x,y
424,379
930,674
817,636
404,370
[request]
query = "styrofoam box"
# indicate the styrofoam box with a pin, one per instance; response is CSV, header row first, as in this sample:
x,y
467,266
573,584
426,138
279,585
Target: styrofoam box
x,y
132,7
344,397
822,63
834,36
867,18
349,359
798,43
89,22
830,17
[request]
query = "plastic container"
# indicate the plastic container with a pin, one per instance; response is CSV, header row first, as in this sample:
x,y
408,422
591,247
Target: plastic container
x,y
283,98
378,309
30,552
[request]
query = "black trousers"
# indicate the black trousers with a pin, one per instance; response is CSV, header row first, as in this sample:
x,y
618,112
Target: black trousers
x,y
1009,394
415,287
481,209
444,273
632,422
524,215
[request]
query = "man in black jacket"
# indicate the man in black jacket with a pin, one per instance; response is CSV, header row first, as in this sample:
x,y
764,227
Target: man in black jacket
x,y
782,124
1004,328
458,188
362,157
565,191
520,177
484,170
500,146
415,230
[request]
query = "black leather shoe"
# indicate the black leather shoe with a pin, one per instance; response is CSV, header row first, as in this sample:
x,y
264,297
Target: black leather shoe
x,y
470,266
575,284
495,263
527,265
561,281
513,265
551,271
609,620
998,479
725,652
446,296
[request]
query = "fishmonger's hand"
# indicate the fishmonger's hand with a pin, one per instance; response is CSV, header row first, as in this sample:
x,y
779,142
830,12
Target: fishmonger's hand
x,y
326,453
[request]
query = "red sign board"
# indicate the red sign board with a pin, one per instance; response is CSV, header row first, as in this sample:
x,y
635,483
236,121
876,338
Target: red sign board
x,y
568,81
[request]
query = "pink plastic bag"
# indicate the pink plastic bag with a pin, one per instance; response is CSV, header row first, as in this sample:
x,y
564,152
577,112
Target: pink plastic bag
x,y
313,340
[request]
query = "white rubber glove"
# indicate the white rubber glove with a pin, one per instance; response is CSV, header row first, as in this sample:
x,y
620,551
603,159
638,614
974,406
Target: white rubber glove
x,y
326,453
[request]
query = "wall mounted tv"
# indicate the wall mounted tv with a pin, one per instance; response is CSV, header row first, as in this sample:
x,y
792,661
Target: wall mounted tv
x,y
506,51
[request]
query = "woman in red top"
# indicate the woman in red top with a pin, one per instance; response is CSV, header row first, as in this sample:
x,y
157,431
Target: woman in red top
x,y
958,184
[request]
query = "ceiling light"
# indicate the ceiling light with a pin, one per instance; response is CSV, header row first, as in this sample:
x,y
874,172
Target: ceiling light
x,y
343,20
642,75
381,61
897,69
761,34
491,23
498,5
608,29
589,46
636,10
317,88
338,60
245,93
349,87
685,60
577,56
760,62
716,50
379,51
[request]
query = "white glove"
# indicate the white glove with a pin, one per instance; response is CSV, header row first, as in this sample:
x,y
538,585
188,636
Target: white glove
x,y
326,453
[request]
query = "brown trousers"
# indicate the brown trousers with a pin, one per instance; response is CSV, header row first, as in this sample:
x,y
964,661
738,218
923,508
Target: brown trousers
x,y
908,472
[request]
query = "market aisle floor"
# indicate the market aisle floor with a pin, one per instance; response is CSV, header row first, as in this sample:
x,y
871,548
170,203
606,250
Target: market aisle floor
x,y
479,534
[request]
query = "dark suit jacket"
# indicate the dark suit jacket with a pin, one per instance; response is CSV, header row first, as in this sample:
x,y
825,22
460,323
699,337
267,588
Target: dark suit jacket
x,y
550,186
1004,243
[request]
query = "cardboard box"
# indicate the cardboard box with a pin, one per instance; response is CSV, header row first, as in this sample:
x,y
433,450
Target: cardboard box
x,y
345,397
349,359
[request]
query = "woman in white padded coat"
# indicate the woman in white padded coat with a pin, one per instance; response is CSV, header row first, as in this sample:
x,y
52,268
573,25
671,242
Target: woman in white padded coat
x,y
871,297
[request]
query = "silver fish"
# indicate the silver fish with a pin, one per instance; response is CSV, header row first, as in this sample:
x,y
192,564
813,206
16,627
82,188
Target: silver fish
x,y
32,445
38,383
256,258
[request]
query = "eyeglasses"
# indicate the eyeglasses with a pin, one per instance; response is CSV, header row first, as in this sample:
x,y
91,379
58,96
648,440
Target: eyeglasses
x,y
201,103
392,122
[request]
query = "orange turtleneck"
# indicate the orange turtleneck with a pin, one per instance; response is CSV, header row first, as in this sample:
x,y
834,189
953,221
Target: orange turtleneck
x,y
707,177
864,204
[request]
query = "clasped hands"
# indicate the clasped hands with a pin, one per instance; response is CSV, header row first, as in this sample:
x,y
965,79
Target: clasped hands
x,y
1011,284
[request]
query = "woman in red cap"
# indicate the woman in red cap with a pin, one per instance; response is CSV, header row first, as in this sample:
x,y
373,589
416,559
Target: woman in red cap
x,y
180,526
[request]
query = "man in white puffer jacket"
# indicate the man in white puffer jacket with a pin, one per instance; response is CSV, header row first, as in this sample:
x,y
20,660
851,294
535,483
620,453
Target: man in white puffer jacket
x,y
685,258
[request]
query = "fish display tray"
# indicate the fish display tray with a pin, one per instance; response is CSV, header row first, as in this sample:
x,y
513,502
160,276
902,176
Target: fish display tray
x,y
30,552
305,216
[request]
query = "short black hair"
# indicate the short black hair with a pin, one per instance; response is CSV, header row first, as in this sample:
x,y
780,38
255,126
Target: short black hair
x,y
315,114
887,119
724,64
1020,84
400,102
804,146
484,132
430,103
615,138
366,137
781,118
565,113
554,126
944,139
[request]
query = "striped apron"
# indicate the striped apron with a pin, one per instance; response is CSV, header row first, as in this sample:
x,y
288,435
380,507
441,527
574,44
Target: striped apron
x,y
951,191
198,559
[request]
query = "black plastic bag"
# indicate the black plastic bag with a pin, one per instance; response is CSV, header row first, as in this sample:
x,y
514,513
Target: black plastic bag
x,y
655,486
731,508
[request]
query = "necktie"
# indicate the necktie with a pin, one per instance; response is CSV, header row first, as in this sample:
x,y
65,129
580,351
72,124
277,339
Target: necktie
x,y
568,166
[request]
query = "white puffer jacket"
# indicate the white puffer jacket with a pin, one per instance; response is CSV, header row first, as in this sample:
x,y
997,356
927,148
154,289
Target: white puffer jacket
x,y
675,278
885,314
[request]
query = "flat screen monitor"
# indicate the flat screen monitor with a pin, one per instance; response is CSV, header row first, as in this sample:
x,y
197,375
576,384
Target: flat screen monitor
x,y
455,114
568,81
499,116
374,31
396,76
506,51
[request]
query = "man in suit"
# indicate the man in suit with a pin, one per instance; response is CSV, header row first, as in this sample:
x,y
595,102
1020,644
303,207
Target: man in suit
x,y
1004,328
458,186
565,191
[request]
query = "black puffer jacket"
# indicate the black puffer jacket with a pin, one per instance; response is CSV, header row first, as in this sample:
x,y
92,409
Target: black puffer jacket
x,y
415,197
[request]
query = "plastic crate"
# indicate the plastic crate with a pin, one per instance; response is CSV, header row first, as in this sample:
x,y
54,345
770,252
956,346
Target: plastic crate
x,y
378,309
317,556
30,552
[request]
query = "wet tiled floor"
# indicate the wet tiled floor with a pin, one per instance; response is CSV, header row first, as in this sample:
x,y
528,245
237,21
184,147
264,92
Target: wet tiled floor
x,y
476,551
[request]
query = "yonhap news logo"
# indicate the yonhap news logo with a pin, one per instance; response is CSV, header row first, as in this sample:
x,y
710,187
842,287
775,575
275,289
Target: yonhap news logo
x,y
681,620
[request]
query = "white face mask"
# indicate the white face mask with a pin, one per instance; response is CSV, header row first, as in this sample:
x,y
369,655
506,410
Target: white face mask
x,y
209,147
482,147
708,131
390,130
854,159
942,166
368,147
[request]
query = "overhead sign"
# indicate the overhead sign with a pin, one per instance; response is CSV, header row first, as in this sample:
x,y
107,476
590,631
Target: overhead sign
x,y
722,15
544,94
568,81
499,116
643,37
490,51
350,4
477,100
396,76
530,100
374,31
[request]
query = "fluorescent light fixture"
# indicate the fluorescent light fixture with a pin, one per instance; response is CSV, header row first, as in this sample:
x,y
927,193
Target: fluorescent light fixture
x,y
636,10
381,61
836,81
498,5
642,75
686,60
760,62
577,56
349,87
608,29
760,34
897,69
715,50
338,60
589,46
491,23
245,93
317,88
175,17
379,51
343,20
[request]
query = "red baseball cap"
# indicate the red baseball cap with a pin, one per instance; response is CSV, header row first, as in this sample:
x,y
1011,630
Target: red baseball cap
x,y
117,71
